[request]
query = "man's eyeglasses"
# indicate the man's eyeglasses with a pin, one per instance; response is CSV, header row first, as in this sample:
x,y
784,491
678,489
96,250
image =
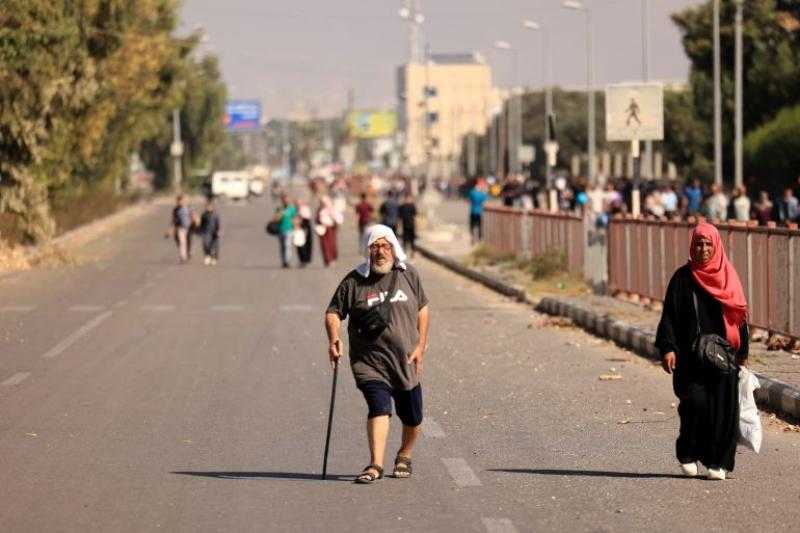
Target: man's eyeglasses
x,y
385,247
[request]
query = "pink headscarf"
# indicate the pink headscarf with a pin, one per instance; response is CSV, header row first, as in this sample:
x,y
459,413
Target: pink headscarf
x,y
718,277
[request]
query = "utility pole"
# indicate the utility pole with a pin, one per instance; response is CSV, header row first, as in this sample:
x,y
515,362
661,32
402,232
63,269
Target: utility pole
x,y
590,82
176,150
717,101
648,145
739,172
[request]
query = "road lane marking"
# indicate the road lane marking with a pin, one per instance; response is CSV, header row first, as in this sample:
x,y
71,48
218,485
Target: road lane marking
x,y
76,335
86,308
17,309
304,308
227,308
498,525
431,428
16,379
461,473
158,308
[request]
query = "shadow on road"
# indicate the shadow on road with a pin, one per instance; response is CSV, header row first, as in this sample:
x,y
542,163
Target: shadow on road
x,y
266,475
588,473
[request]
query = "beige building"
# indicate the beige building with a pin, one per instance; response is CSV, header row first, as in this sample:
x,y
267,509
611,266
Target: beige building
x,y
454,92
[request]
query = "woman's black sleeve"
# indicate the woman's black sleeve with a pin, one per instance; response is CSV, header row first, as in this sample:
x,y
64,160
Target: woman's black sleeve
x,y
744,346
666,341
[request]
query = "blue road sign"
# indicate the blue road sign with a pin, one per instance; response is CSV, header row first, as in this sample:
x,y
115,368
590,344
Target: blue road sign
x,y
242,115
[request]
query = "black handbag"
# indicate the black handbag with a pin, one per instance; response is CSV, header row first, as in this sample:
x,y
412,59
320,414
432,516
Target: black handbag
x,y
273,228
714,353
370,323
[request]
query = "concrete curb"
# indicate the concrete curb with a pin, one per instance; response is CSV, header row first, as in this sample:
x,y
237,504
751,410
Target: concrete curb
x,y
774,395
496,285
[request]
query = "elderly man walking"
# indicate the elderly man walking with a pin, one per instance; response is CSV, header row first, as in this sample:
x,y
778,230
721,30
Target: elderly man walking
x,y
388,334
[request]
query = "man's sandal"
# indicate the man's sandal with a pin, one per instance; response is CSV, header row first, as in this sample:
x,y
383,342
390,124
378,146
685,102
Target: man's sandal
x,y
402,467
369,477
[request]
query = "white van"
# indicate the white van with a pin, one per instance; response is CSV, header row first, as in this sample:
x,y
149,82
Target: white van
x,y
233,184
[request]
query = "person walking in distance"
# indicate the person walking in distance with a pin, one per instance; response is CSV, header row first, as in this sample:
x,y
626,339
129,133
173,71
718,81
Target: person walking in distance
x,y
477,197
364,216
210,231
328,220
388,332
408,219
284,216
181,226
302,238
388,211
705,297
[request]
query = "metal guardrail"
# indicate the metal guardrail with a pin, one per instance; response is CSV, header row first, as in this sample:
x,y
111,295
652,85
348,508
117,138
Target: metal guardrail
x,y
643,254
533,233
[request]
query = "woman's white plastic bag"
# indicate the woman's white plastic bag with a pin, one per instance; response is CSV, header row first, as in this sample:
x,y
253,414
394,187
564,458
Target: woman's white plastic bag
x,y
750,433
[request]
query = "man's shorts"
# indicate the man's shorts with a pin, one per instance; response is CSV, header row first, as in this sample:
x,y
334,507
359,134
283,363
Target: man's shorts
x,y
407,403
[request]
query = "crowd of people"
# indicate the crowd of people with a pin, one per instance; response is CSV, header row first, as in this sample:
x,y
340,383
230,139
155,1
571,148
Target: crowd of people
x,y
295,224
664,200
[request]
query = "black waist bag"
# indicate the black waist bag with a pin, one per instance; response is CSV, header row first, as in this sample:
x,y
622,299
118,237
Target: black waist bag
x,y
715,353
370,323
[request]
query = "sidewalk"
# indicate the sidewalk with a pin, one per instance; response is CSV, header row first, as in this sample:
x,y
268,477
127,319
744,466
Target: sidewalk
x,y
629,324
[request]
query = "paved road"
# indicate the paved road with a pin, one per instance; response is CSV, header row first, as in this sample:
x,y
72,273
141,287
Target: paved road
x,y
139,395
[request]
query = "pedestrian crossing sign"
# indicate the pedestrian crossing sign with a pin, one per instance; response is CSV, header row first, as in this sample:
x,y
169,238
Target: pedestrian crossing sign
x,y
635,112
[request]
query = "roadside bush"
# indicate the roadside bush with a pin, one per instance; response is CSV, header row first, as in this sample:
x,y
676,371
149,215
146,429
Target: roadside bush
x,y
483,254
71,209
773,151
547,265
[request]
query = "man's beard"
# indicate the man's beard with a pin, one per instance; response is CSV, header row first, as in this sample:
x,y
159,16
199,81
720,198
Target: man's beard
x,y
382,269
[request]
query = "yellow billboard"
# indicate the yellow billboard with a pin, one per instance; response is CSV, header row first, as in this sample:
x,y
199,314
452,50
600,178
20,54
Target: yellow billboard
x,y
371,124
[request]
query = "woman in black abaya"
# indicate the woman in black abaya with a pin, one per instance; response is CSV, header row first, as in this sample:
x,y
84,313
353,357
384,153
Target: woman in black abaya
x,y
709,402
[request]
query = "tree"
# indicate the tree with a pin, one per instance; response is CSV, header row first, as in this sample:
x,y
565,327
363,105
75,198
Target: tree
x,y
771,66
774,149
84,84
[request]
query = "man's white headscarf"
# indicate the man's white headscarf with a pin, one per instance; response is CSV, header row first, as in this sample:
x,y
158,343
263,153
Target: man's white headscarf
x,y
379,231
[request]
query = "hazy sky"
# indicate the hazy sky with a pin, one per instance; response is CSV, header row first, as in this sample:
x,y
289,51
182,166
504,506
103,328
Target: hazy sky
x,y
307,53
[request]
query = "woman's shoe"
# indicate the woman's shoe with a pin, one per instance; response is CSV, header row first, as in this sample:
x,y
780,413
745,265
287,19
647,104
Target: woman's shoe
x,y
717,474
689,469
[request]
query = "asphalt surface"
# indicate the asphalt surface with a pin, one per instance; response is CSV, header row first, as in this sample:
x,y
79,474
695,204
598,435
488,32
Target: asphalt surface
x,y
140,395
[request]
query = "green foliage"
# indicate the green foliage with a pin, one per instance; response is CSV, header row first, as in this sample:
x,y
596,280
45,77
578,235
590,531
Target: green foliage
x,y
771,78
687,140
570,109
774,149
85,84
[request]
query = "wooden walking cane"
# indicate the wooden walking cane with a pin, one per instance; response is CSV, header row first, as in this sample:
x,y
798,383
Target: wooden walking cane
x,y
330,421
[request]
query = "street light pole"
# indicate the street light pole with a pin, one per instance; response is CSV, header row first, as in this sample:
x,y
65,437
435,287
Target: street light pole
x,y
739,172
514,123
548,92
717,101
579,6
648,145
176,150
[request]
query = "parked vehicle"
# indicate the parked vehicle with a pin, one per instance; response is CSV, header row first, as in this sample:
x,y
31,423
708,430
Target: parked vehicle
x,y
232,184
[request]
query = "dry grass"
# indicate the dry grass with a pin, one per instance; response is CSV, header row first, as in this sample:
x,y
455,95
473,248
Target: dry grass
x,y
483,255
540,276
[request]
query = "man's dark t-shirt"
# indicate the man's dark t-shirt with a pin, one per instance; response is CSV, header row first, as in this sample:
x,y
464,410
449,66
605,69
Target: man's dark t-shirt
x,y
384,359
364,212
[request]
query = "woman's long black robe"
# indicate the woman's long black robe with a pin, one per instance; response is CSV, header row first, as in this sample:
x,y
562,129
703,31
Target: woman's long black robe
x,y
709,404
304,252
